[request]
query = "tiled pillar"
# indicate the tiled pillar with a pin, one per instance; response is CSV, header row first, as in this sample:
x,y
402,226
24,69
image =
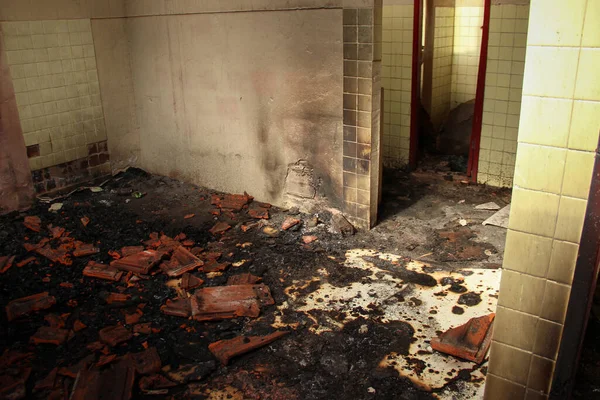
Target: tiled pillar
x,y
558,133
362,91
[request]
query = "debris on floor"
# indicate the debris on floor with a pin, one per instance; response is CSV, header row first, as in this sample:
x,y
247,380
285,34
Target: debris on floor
x,y
111,298
491,206
499,219
470,341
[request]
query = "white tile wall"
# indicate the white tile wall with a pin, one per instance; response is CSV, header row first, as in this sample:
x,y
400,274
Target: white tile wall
x,y
396,80
442,64
468,22
53,67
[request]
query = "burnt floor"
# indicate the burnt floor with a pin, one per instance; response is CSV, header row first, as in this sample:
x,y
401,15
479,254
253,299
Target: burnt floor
x,y
360,309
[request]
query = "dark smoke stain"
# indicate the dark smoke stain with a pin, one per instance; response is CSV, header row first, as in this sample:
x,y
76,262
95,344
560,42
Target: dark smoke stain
x,y
469,299
400,272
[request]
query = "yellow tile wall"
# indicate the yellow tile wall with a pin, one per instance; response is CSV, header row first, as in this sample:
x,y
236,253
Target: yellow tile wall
x,y
503,92
53,68
396,80
466,53
557,139
441,95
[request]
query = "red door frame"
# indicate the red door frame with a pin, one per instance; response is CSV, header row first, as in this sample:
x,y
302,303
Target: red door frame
x,y
415,89
473,164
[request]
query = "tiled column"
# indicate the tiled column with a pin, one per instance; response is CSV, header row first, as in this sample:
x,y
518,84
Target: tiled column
x,y
558,133
362,91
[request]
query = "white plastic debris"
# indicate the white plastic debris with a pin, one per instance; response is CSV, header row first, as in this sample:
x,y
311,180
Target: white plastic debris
x,y
363,329
55,207
491,206
371,389
96,189
463,222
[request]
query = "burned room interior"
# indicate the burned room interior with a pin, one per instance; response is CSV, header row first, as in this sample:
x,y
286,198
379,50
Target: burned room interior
x,y
300,199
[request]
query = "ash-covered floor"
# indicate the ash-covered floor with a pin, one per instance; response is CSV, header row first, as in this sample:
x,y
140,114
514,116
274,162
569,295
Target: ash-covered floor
x,y
359,311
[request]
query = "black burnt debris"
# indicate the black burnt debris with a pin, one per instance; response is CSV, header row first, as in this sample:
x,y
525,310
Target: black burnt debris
x,y
115,296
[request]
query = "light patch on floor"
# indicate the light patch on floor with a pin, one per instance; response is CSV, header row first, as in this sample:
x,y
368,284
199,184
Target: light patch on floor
x,y
425,311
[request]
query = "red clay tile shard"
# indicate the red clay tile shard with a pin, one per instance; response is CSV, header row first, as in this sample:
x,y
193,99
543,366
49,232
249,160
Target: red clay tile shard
x,y
55,321
181,262
133,318
95,346
215,212
113,298
243,279
26,305
289,222
105,360
214,266
223,302
102,271
56,231
79,326
85,250
85,221
49,335
115,383
234,202
5,263
72,370
144,329
177,308
48,382
189,281
220,228
259,213
33,223
113,335
10,357
54,255
26,261
140,263
188,243
188,216
129,250
146,362
469,341
308,239
13,387
156,381
66,285
225,350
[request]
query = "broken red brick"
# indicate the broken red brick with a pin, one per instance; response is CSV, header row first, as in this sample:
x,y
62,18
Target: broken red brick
x,y
189,281
56,231
243,279
213,255
48,382
113,335
140,263
188,216
114,254
78,325
85,250
26,305
233,202
215,212
105,360
95,346
129,250
5,263
223,302
289,222
26,261
153,382
469,341
220,228
72,303
113,298
32,222
144,329
177,308
258,213
146,362
85,221
181,262
49,335
188,243
102,271
308,239
224,350
66,285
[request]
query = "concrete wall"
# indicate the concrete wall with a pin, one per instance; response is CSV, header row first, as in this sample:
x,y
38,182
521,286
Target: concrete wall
x,y
226,100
